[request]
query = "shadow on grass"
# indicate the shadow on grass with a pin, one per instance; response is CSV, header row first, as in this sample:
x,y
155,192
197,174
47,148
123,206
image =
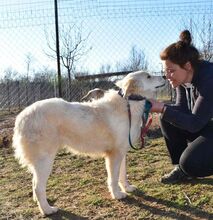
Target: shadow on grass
x,y
203,181
154,133
62,214
157,207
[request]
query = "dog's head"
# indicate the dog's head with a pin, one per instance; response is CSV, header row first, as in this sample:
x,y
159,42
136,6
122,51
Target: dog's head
x,y
140,83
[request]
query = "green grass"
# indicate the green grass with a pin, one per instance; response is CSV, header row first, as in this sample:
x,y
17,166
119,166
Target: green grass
x,y
78,187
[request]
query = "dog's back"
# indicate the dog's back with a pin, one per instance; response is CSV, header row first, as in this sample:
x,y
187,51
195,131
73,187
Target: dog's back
x,y
88,128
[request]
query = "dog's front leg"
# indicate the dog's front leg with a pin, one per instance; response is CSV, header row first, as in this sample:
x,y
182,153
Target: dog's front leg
x,y
113,163
123,181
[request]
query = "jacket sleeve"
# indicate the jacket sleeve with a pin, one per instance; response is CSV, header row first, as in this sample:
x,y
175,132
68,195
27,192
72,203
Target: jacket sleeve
x,y
181,100
201,113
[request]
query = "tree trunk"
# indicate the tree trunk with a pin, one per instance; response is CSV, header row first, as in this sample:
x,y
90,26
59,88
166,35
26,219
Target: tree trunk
x,y
69,82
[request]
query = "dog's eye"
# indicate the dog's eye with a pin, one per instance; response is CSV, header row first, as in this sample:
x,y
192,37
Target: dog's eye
x,y
148,77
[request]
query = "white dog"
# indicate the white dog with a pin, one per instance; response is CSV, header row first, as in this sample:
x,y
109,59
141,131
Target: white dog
x,y
97,128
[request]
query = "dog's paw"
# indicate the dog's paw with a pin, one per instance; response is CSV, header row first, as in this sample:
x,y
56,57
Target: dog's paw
x,y
126,187
130,188
119,195
49,211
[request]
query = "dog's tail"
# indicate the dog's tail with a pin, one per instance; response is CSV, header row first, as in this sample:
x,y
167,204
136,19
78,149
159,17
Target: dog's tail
x,y
19,144
23,138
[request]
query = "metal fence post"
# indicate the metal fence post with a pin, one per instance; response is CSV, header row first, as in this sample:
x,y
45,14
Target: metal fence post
x,y
57,48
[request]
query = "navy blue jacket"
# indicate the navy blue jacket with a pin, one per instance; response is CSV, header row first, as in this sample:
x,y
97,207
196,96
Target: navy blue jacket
x,y
194,106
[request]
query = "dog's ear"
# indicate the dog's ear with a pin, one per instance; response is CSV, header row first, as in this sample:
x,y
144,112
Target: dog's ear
x,y
119,83
128,86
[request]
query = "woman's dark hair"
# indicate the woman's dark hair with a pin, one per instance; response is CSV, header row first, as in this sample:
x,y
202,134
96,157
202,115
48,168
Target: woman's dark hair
x,y
182,51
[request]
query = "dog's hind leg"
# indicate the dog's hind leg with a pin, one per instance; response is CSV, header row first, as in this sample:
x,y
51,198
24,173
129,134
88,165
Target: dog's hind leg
x,y
113,163
123,181
42,170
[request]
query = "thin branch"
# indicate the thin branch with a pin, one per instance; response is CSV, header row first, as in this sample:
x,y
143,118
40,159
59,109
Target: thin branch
x,y
188,199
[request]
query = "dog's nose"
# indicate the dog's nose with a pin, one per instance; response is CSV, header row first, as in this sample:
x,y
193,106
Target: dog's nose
x,y
164,77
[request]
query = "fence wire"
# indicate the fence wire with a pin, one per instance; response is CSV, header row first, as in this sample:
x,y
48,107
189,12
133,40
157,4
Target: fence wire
x,y
96,36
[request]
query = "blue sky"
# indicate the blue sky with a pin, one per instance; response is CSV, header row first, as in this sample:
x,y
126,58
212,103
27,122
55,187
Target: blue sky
x,y
114,27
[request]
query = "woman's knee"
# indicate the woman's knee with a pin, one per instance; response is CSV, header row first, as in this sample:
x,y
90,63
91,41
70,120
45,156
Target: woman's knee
x,y
186,167
165,126
196,159
170,131
191,165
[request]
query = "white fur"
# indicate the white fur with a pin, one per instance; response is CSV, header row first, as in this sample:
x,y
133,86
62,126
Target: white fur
x,y
98,128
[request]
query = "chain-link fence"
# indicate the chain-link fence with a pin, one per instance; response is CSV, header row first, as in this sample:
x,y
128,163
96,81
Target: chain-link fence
x,y
95,36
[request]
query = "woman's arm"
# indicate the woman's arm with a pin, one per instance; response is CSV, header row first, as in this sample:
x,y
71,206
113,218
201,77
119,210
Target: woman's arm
x,y
180,104
182,118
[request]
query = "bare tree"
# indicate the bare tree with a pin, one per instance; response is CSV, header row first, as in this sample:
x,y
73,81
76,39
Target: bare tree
x,y
73,46
105,68
29,60
136,61
10,74
44,74
205,36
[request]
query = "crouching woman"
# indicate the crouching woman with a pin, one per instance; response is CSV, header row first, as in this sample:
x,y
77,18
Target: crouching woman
x,y
187,126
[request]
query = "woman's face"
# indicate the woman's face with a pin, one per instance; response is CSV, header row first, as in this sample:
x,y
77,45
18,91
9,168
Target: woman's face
x,y
177,75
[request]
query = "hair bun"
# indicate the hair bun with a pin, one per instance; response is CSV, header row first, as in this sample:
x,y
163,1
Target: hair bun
x,y
185,37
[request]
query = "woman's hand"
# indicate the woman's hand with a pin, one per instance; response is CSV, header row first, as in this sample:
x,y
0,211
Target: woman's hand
x,y
156,106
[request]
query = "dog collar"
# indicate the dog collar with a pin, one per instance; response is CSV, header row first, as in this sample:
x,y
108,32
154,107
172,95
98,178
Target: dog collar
x,y
132,97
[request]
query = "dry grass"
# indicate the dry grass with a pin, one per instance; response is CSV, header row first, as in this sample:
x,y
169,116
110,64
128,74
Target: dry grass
x,y
78,187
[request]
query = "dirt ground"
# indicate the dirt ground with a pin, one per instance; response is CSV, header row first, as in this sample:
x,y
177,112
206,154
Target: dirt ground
x,y
7,121
78,186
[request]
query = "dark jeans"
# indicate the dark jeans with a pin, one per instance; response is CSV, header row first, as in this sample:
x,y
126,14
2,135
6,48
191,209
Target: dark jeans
x,y
193,152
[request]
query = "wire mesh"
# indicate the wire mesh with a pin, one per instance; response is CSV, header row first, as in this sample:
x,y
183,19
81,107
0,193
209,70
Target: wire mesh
x,y
112,36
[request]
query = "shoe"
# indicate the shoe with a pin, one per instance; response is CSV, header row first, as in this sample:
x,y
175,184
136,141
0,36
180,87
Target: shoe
x,y
175,176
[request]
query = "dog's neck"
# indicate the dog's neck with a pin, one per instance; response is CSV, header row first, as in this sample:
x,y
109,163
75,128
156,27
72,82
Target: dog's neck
x,y
132,97
143,114
135,97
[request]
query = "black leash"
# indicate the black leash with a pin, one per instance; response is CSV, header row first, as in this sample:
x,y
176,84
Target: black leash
x,y
148,106
130,121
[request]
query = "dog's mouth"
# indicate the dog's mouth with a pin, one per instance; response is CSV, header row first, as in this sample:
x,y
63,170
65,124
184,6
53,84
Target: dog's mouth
x,y
160,86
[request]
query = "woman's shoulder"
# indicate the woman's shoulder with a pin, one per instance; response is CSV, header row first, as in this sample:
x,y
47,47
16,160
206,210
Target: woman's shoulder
x,y
204,73
206,66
